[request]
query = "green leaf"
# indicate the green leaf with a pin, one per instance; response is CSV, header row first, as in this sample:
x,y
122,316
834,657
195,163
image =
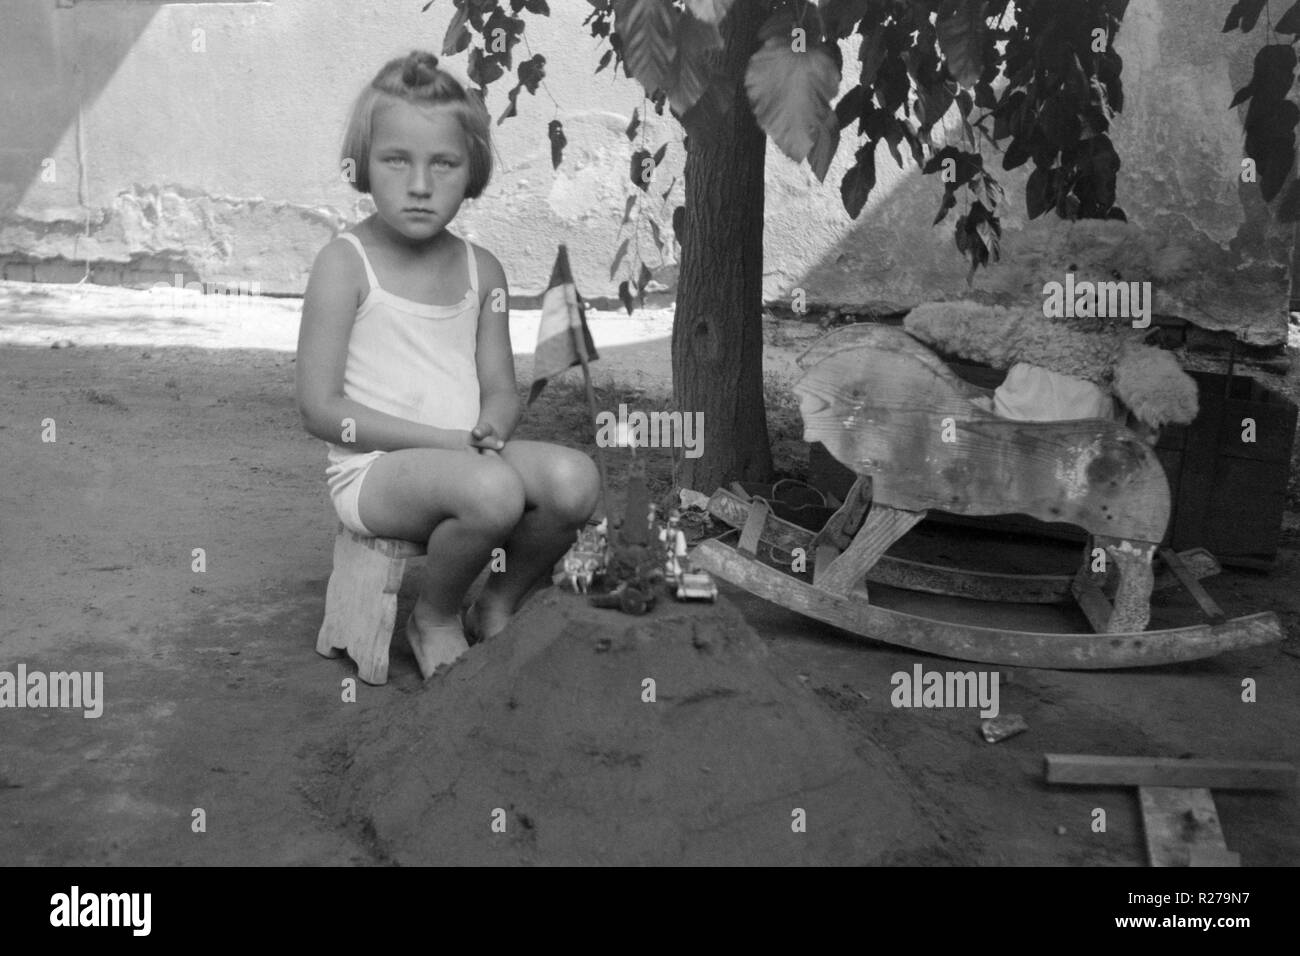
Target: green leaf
x,y
646,28
1036,192
642,280
856,186
627,209
1244,12
625,296
679,223
1290,22
555,133
458,36
785,17
872,54
618,257
852,105
691,70
1288,210
531,72
501,24
510,109
1270,141
640,169
841,16
824,147
949,200
1017,154
483,69
654,233
932,102
709,11
1274,71
961,31
790,94
632,127
961,236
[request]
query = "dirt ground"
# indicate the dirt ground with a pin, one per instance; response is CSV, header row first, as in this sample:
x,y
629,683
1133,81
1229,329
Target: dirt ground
x,y
216,700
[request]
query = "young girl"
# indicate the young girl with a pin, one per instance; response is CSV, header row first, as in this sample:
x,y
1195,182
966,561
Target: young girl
x,y
405,368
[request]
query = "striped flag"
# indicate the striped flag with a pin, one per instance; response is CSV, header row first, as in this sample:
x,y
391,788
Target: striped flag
x,y
563,339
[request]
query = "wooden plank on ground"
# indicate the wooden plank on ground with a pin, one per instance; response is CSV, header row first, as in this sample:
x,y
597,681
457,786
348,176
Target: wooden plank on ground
x,y
1181,826
1169,772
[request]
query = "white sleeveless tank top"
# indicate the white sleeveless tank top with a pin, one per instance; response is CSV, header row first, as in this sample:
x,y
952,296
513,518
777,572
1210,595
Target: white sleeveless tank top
x,y
411,359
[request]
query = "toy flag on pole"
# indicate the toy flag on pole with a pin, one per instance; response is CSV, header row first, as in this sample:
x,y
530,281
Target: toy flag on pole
x,y
563,339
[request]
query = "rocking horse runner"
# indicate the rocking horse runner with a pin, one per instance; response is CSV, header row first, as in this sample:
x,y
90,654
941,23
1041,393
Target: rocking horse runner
x,y
920,438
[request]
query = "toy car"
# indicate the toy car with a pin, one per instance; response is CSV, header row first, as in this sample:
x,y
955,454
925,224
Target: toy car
x,y
696,585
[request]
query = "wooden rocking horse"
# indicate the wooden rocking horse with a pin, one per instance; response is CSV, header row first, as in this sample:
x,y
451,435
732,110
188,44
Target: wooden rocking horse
x,y
918,438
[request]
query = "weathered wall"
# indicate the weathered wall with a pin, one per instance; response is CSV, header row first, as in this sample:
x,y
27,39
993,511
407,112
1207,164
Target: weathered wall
x,y
222,163
1202,237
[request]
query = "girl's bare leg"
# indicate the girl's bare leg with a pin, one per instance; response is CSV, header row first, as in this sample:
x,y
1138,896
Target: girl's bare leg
x,y
561,488
463,504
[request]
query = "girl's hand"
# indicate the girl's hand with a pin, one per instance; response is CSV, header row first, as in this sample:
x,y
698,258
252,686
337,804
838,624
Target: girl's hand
x,y
483,437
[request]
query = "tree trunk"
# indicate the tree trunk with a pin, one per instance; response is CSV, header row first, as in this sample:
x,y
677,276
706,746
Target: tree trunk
x,y
717,332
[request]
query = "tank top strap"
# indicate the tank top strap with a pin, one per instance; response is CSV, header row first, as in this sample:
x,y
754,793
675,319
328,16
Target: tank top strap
x,y
473,265
365,260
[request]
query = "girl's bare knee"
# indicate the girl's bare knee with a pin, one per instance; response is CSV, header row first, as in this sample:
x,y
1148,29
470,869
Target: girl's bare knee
x,y
496,501
576,488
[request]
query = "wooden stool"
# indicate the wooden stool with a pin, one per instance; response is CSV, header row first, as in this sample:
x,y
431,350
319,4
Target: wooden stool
x,y
361,600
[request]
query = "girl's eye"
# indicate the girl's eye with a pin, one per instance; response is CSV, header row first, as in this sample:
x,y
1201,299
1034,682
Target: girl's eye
x,y
395,159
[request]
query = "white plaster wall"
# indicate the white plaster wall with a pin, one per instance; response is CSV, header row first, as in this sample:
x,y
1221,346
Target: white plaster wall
x,y
226,160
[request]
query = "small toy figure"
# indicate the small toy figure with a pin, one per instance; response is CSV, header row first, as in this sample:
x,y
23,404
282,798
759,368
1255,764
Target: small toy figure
x,y
673,540
586,559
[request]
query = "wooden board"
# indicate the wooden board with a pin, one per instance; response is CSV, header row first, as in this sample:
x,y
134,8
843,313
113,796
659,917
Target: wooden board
x,y
1181,826
887,407
1169,772
968,642
783,536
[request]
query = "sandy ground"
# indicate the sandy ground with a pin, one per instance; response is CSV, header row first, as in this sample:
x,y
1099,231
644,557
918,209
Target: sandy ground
x,y
176,430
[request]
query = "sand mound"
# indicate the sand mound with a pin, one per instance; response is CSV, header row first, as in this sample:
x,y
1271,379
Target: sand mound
x,y
547,723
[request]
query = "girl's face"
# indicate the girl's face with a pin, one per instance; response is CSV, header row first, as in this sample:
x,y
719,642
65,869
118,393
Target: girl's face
x,y
419,169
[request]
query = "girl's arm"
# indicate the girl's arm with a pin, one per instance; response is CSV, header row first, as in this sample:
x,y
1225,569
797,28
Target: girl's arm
x,y
498,395
328,311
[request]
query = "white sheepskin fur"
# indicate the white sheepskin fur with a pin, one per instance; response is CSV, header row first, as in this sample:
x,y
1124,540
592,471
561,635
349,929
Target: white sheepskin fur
x,y
1148,380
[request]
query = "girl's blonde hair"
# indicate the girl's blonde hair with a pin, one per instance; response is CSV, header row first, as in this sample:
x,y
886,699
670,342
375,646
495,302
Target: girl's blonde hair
x,y
415,78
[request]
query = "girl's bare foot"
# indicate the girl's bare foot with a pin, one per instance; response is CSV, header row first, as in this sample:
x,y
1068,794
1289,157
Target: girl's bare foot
x,y
434,644
484,620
